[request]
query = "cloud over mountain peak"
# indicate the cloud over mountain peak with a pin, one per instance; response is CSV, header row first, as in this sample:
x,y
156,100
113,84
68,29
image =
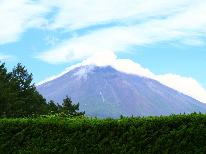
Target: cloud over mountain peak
x,y
177,82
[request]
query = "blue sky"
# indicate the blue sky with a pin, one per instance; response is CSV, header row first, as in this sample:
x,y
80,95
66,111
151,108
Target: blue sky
x,y
168,37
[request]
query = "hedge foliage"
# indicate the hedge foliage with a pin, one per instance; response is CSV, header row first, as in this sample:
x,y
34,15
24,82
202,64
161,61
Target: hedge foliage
x,y
172,134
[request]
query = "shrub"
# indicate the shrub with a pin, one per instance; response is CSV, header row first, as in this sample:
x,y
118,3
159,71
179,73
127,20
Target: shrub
x,y
57,134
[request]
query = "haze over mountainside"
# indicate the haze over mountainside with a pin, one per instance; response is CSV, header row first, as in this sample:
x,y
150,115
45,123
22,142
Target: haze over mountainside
x,y
106,92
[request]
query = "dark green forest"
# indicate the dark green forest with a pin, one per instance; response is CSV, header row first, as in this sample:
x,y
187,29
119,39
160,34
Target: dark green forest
x,y
30,124
20,98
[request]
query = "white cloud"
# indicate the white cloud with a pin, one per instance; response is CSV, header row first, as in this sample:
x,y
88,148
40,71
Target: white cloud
x,y
146,22
150,20
186,85
18,15
83,47
84,13
123,65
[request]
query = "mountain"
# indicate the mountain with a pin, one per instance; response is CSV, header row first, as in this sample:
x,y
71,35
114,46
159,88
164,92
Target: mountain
x,y
106,92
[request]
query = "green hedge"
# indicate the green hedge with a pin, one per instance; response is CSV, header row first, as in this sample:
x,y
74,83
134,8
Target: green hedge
x,y
172,134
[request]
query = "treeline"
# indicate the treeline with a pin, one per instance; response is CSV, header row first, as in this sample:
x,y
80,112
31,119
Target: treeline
x,y
20,98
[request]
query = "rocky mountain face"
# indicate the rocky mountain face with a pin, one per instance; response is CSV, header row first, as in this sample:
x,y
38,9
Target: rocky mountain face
x,y
106,92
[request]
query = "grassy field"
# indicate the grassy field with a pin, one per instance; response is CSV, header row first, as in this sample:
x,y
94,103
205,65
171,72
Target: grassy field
x,y
54,134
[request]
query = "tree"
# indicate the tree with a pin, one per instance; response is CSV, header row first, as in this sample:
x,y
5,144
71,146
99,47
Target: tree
x,y
28,97
7,93
52,107
22,79
70,108
18,95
